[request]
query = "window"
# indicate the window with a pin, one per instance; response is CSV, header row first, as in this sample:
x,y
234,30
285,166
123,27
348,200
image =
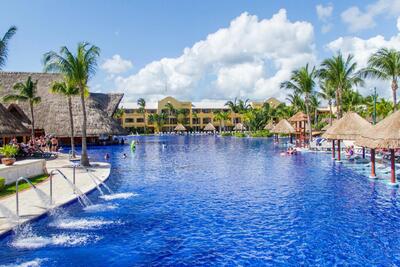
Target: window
x,y
236,120
206,120
206,110
129,111
139,120
196,121
129,120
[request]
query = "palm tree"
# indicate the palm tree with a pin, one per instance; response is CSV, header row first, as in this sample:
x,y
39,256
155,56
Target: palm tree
x,y
26,93
171,111
158,120
222,117
182,115
302,82
142,109
66,89
77,68
233,105
243,105
341,74
4,45
296,101
385,65
314,104
327,93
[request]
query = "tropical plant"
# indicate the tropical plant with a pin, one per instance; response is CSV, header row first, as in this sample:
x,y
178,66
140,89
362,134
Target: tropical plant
x,y
222,117
314,104
385,65
142,110
243,105
341,74
233,105
182,115
383,108
158,120
9,151
302,82
78,68
351,100
171,112
4,45
327,93
68,90
296,102
26,92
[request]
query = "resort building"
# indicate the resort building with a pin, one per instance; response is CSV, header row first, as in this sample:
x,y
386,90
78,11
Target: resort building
x,y
193,115
52,113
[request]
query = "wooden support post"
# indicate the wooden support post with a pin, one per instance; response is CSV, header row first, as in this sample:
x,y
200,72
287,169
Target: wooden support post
x,y
363,152
291,138
333,149
338,144
393,167
373,174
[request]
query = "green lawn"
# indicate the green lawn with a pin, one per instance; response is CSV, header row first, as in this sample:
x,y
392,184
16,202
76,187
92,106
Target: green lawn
x,y
10,189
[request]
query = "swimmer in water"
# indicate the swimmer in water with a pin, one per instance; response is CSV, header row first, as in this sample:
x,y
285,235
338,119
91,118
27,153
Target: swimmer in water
x,y
106,156
124,156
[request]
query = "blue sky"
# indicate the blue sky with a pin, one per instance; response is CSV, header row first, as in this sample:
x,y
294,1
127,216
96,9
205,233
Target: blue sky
x,y
142,32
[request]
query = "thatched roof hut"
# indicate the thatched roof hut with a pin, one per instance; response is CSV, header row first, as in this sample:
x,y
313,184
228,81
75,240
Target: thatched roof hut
x,y
299,116
283,127
239,127
11,126
349,127
386,134
180,128
269,126
52,115
209,127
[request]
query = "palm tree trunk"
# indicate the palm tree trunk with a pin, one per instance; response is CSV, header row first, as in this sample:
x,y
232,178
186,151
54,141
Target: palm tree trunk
x,y
339,102
308,120
144,120
71,125
330,113
394,91
32,121
84,156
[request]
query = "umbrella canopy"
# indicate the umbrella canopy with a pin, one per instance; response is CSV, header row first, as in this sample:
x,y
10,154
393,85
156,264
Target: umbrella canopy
x,y
349,127
299,116
209,127
180,127
386,134
269,126
283,127
10,125
239,127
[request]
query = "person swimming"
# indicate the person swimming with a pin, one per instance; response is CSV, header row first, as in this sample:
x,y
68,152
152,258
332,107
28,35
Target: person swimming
x,y
107,156
124,156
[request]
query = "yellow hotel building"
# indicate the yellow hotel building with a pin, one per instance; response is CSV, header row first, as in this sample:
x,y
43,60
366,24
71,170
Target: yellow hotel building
x,y
199,114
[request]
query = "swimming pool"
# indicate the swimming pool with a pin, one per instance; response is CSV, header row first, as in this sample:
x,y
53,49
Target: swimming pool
x,y
205,200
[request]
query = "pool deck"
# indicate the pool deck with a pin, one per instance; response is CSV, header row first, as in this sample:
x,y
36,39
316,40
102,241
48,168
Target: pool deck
x,y
31,206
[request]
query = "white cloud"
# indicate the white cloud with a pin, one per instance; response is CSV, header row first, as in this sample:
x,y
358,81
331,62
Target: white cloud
x,y
248,58
362,49
358,19
398,24
324,12
116,65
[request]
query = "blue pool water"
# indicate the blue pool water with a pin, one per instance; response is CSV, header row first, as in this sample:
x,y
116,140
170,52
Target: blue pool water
x,y
218,201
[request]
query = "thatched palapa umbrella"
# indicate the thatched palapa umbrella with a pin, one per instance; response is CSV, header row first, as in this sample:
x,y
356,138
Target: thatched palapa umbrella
x,y
209,127
10,126
180,128
239,127
349,127
269,126
284,127
386,134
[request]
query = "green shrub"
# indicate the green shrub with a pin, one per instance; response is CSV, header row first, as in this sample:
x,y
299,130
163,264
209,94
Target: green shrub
x,y
2,183
9,151
239,134
261,133
226,134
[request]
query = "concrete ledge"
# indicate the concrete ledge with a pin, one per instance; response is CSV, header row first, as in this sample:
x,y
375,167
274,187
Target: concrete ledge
x,y
31,206
26,168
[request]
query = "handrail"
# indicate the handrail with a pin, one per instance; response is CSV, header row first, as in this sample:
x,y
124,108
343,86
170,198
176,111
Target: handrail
x,y
16,192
